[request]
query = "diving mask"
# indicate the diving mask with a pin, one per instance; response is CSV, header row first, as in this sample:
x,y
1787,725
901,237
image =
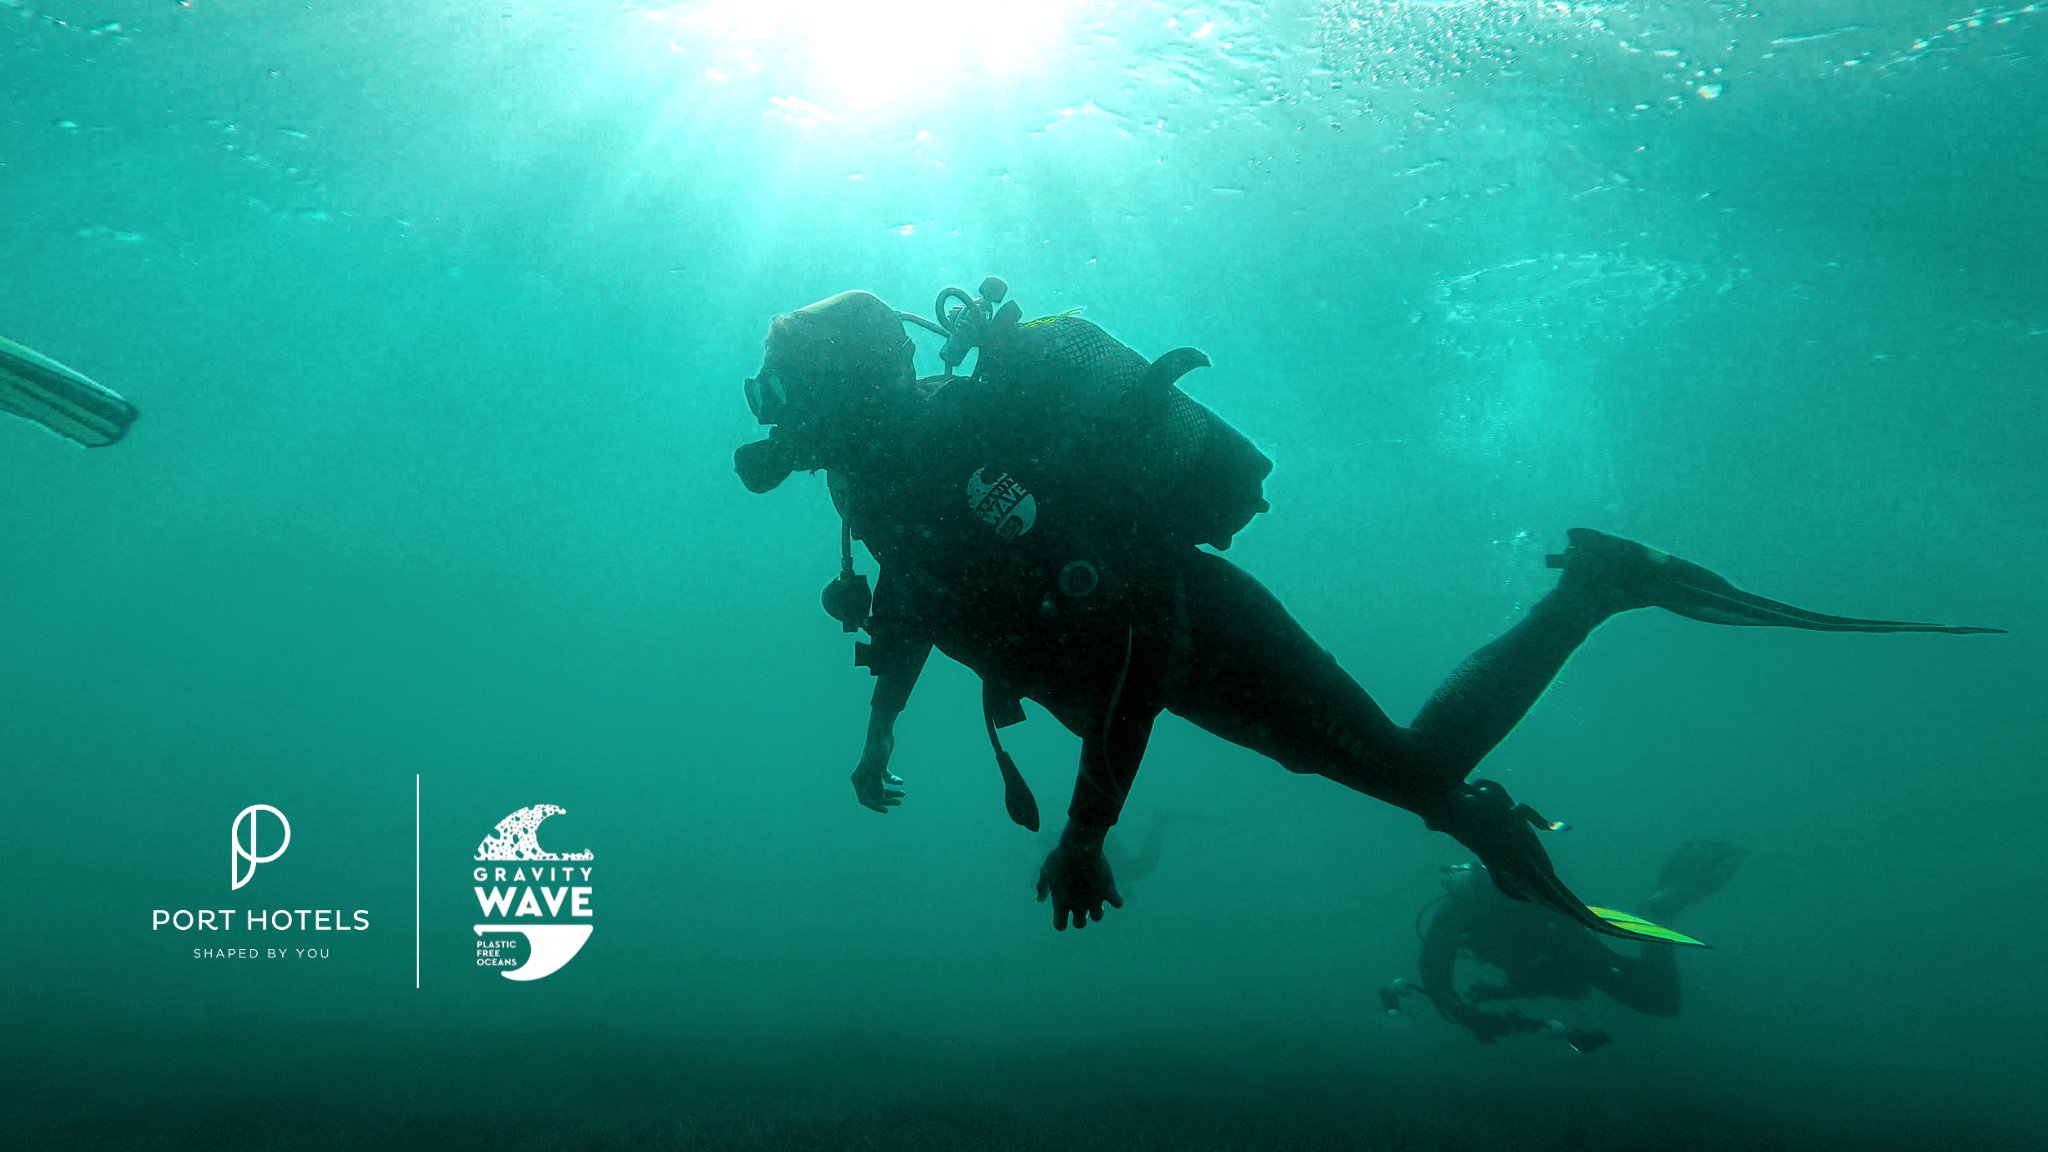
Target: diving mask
x,y
768,397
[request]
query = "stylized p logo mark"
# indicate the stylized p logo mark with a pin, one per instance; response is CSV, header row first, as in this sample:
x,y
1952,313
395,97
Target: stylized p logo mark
x,y
238,853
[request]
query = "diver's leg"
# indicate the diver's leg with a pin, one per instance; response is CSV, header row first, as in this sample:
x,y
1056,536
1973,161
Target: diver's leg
x,y
1476,707
1249,673
1253,675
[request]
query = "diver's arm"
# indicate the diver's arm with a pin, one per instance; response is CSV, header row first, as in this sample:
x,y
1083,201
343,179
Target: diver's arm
x,y
899,667
1075,875
1438,965
896,657
871,777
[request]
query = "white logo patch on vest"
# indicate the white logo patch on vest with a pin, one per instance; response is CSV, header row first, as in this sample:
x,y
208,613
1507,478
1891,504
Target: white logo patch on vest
x,y
1003,503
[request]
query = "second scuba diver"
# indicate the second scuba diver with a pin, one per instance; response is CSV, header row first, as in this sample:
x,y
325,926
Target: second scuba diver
x,y
1541,954
1038,521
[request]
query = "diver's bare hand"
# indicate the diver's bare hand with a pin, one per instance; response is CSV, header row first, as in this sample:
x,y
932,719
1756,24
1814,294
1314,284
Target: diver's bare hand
x,y
871,778
1078,880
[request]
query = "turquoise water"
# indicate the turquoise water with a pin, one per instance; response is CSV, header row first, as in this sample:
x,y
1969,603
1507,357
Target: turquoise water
x,y
436,315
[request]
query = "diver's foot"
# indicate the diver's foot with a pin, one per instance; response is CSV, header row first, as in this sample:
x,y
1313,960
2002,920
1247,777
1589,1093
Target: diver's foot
x,y
1483,817
1610,575
1696,871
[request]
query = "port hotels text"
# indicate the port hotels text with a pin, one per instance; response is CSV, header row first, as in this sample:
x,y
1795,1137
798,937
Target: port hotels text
x,y
282,920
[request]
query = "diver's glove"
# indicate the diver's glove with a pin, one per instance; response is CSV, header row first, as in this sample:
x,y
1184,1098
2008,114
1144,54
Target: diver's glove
x,y
1483,817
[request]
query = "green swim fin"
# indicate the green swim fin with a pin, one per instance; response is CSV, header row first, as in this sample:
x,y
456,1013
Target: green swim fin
x,y
37,388
1641,929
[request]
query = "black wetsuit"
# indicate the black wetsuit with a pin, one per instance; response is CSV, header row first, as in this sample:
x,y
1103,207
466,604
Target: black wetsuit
x,y
1170,627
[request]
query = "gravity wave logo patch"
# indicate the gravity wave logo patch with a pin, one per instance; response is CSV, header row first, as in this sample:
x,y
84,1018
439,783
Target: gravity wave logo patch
x,y
545,897
1006,505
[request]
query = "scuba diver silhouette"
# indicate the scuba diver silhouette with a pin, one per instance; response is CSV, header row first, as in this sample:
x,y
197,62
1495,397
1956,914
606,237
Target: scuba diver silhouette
x,y
1540,954
1038,522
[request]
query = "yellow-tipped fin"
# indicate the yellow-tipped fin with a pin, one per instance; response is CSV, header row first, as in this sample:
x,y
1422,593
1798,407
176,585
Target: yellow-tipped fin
x,y
1639,927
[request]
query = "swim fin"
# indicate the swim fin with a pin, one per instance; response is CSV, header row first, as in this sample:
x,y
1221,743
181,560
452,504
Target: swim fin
x,y
1644,577
37,388
1694,872
1638,928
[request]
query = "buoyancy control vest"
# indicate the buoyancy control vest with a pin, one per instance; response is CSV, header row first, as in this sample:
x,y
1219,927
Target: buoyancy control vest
x,y
1058,407
1116,442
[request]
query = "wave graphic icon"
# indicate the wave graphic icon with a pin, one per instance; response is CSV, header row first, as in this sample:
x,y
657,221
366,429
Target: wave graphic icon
x,y
549,946
518,837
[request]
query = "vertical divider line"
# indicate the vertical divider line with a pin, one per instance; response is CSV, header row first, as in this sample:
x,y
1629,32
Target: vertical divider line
x,y
415,881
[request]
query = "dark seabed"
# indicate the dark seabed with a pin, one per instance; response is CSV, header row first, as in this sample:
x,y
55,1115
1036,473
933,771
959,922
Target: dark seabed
x,y
436,315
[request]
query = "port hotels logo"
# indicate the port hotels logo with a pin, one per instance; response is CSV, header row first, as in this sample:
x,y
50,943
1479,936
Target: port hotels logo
x,y
251,818
250,843
537,879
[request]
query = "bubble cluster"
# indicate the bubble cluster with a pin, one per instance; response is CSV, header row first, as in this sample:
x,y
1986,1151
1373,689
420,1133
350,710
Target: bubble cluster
x,y
111,30
1638,57
1953,35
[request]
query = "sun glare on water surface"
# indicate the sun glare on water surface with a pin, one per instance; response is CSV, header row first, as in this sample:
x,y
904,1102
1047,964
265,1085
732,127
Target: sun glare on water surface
x,y
838,57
